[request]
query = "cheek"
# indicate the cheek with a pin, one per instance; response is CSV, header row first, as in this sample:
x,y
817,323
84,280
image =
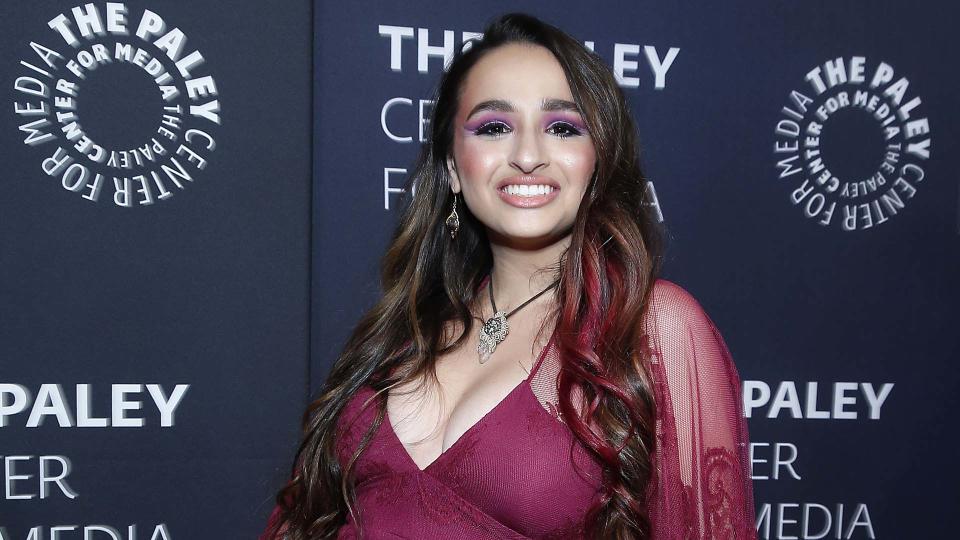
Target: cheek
x,y
578,162
478,160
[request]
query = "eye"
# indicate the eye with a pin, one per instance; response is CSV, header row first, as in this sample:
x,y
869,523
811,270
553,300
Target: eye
x,y
563,130
495,128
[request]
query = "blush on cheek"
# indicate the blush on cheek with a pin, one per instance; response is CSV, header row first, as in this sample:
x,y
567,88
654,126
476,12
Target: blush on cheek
x,y
478,161
580,160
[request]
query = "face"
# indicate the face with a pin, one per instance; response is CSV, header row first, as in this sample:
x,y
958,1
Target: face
x,y
522,156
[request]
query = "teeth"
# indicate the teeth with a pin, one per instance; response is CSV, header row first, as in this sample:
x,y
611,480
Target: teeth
x,y
528,191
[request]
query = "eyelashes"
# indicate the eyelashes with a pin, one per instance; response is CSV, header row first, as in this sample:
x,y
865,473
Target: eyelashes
x,y
498,128
567,129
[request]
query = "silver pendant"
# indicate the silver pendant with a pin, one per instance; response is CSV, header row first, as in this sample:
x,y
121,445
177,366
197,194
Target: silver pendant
x,y
492,333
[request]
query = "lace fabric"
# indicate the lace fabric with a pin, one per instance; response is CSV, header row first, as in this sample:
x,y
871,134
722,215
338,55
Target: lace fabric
x,y
531,479
702,487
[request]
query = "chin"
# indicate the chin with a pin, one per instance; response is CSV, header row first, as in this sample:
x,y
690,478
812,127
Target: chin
x,y
528,235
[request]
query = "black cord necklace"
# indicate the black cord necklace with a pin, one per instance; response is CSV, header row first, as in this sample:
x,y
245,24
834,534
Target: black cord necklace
x,y
495,329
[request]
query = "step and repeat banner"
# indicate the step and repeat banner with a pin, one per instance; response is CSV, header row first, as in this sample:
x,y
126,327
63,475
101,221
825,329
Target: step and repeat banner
x,y
196,197
154,265
802,157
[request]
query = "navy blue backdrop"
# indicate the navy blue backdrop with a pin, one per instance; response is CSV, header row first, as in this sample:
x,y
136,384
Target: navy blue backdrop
x,y
205,290
801,155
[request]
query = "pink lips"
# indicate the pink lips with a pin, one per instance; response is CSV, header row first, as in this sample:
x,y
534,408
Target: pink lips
x,y
527,202
528,180
532,201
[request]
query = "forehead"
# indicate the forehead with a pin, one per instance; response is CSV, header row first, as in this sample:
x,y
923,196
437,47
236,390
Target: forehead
x,y
519,72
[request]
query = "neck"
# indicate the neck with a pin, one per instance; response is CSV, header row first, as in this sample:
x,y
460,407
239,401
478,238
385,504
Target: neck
x,y
520,271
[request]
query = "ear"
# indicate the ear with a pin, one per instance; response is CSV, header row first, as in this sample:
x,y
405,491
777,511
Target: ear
x,y
454,176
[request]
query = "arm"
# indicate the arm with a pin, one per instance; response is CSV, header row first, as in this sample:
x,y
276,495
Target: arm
x,y
701,486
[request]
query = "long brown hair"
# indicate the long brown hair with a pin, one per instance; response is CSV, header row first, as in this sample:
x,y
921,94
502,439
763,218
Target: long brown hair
x,y
429,281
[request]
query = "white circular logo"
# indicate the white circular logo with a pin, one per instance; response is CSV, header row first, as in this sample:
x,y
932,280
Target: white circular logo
x,y
853,149
121,105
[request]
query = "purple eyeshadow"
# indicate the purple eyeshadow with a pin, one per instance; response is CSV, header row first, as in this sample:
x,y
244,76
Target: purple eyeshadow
x,y
568,119
475,124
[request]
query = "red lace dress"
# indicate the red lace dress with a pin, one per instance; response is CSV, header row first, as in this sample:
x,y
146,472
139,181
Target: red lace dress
x,y
520,473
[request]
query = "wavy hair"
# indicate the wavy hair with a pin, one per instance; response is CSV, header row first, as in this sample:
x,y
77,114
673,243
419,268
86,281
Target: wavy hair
x,y
605,277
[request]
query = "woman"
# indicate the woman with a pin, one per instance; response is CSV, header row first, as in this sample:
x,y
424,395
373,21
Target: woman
x,y
530,212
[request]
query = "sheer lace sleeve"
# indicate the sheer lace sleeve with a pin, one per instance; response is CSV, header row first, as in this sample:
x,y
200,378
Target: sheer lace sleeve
x,y
702,486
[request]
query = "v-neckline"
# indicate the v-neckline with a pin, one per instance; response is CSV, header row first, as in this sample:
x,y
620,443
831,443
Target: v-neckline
x,y
525,382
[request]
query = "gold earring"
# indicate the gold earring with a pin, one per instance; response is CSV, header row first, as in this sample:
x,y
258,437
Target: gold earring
x,y
453,220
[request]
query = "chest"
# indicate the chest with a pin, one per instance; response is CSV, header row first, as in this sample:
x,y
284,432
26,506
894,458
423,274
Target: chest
x,y
519,473
428,417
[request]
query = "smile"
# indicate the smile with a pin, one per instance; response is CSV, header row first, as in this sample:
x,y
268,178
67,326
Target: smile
x,y
527,196
526,190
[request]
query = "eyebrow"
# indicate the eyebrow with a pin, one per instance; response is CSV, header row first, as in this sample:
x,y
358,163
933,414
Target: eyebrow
x,y
500,105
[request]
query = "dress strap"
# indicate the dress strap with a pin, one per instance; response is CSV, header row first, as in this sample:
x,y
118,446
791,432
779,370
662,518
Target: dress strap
x,y
542,355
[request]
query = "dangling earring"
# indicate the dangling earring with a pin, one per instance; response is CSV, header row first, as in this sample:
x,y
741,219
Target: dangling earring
x,y
453,220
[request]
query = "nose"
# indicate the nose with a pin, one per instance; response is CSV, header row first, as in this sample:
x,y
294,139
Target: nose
x,y
527,154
